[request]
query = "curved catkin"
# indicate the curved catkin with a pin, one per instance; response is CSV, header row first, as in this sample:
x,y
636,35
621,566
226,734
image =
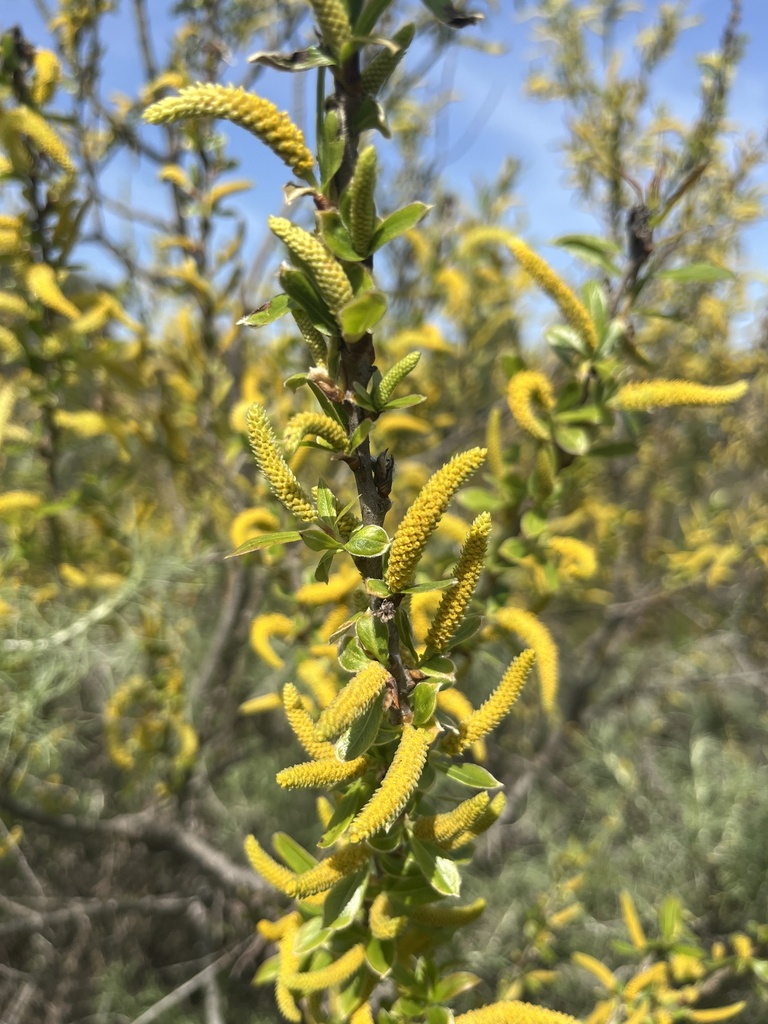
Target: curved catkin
x,y
577,559
362,211
380,68
396,787
652,394
47,76
302,725
442,828
454,602
352,701
328,274
496,707
258,116
263,628
514,1012
336,589
328,872
278,876
481,824
335,973
326,772
395,376
522,389
533,632
273,931
362,1015
381,920
316,343
36,128
317,424
289,964
440,916
41,281
421,519
270,460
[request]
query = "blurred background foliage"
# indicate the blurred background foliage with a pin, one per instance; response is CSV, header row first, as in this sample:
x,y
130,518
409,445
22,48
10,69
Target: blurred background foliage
x,y
128,775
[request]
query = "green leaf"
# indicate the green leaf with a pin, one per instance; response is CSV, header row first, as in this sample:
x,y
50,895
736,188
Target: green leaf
x,y
377,587
353,658
471,775
299,60
361,314
567,341
371,115
380,954
670,918
344,901
295,856
440,871
405,402
438,667
513,549
532,524
267,972
368,542
326,503
347,808
596,302
373,636
318,540
266,540
591,249
363,397
311,935
331,146
574,440
478,499
336,236
428,588
615,450
468,628
439,1015
330,408
592,414
360,735
323,570
453,985
295,381
451,15
303,293
361,432
696,272
267,313
423,702
398,223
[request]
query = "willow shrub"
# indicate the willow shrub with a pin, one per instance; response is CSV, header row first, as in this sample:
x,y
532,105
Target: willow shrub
x,y
389,730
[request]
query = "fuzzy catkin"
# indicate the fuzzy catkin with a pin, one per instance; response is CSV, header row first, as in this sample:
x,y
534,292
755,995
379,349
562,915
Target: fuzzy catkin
x,y
396,787
328,274
328,872
333,20
394,376
362,211
41,281
650,394
522,389
496,707
536,635
258,116
442,828
317,424
352,701
326,772
514,1012
380,68
440,916
270,460
454,602
335,973
27,122
302,725
316,343
263,628
421,519
261,862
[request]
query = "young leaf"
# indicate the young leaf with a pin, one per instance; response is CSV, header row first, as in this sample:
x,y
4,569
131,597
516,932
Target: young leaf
x,y
266,540
424,702
361,314
697,272
353,658
345,899
471,775
323,570
367,542
597,251
299,60
438,667
377,587
373,636
441,872
295,856
267,313
361,432
427,588
318,540
336,236
303,293
380,954
311,935
326,504
398,223
360,735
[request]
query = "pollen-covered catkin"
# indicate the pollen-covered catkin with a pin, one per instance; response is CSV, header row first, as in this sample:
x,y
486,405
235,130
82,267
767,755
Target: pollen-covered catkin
x,y
651,394
421,519
277,875
362,211
436,915
317,424
454,602
533,632
41,281
335,973
326,772
328,872
496,707
442,828
37,129
258,116
352,701
522,389
302,725
514,1012
396,787
385,924
263,628
328,274
270,460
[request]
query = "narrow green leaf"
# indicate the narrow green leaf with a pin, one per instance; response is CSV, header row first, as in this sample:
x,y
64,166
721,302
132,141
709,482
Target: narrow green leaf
x,y
326,504
428,588
347,808
405,402
344,901
295,856
591,249
361,734
361,432
299,60
398,223
440,871
367,542
311,935
615,450
267,313
438,667
267,972
471,775
303,293
266,540
361,314
380,954
468,628
362,397
336,236
453,985
593,414
318,540
696,272
353,658
323,570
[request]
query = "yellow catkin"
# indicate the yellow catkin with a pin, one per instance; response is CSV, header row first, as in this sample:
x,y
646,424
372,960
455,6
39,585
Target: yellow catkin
x,y
273,931
514,1012
454,703
41,281
336,973
352,701
323,773
383,923
329,275
632,921
533,632
335,618
270,460
522,389
14,305
577,559
454,602
263,628
362,1015
716,1013
316,343
277,875
496,707
656,974
442,828
494,443
422,517
440,916
652,394
258,705
317,424
568,303
324,809
37,129
603,974
482,823
258,116
303,726
289,964
47,76
319,680
396,787
19,501
328,872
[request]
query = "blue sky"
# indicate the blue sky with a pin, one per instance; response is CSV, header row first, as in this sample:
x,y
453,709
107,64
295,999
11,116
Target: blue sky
x,y
490,119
